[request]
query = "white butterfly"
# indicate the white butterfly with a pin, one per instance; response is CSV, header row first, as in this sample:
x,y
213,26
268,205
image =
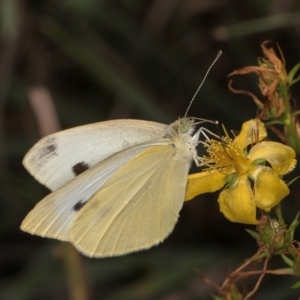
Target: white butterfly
x,y
118,186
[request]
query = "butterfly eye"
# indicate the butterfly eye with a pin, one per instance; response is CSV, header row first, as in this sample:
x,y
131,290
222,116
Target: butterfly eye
x,y
183,128
185,125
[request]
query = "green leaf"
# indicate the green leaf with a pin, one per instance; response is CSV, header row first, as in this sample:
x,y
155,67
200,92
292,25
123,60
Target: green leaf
x,y
296,285
292,181
293,225
260,255
295,80
287,260
253,233
293,72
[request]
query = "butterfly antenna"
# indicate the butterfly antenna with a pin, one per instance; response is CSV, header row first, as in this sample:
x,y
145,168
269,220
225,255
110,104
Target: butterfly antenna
x,y
217,57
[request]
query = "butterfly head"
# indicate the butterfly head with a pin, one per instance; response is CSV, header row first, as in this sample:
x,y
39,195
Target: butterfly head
x,y
186,126
183,127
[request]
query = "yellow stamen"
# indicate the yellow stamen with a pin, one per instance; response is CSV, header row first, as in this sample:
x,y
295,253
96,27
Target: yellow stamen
x,y
226,153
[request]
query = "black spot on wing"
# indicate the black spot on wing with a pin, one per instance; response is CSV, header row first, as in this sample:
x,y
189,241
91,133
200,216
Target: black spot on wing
x,y
80,168
49,148
45,153
78,206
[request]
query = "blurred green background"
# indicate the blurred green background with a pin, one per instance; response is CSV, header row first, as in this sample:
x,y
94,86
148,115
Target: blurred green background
x,y
97,60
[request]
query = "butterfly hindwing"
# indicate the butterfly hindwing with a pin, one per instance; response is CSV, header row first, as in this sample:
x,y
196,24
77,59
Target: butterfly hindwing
x,y
53,215
127,214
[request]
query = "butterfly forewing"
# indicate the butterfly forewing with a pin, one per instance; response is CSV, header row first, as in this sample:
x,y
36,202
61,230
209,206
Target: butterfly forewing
x,y
58,158
127,214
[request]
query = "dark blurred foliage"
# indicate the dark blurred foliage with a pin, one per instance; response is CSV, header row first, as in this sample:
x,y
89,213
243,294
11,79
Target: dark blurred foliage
x,y
99,60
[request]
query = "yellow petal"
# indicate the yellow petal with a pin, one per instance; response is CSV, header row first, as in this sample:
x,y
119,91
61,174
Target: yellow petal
x,y
279,156
252,132
237,202
204,182
269,189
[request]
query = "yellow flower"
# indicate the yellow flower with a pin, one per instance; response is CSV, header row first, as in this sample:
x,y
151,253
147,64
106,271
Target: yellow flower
x,y
248,168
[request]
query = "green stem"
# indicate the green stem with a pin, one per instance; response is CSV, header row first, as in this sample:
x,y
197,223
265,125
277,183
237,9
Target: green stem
x,y
289,119
292,136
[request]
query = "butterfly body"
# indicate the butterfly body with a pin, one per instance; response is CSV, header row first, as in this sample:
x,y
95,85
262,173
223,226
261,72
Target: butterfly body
x,y
118,186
